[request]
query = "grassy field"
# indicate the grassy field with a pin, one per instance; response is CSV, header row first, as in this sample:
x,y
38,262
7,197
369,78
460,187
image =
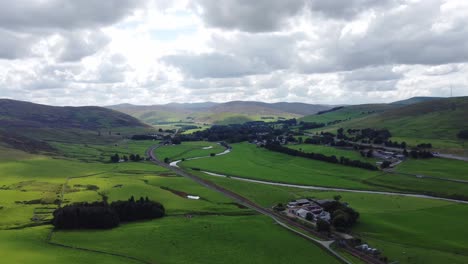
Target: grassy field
x,y
120,186
188,150
410,230
29,246
329,151
442,168
102,152
202,239
406,183
31,185
246,160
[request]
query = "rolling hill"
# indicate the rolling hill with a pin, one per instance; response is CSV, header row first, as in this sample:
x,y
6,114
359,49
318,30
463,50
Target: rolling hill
x,y
340,114
218,113
435,121
28,126
414,100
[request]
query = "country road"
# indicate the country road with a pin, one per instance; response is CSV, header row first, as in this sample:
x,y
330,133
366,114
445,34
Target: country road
x,y
281,220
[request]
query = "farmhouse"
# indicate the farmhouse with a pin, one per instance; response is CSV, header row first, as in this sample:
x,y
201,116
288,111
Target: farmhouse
x,y
300,202
302,213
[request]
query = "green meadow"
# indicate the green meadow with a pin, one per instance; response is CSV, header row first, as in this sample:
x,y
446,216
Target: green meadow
x,y
202,239
32,186
437,167
247,160
188,150
29,245
329,151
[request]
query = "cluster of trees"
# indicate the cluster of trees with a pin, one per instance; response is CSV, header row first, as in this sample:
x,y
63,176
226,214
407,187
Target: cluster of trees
x,y
145,137
188,127
310,125
425,145
116,158
420,154
343,217
395,144
370,135
463,134
141,209
101,215
330,110
233,133
317,156
325,138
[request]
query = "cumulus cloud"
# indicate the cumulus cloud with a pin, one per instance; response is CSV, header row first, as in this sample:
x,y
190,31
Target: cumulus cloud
x,y
24,15
246,15
346,9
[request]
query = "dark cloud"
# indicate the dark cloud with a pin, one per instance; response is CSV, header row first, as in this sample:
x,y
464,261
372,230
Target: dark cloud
x,y
247,15
271,15
346,9
62,14
24,24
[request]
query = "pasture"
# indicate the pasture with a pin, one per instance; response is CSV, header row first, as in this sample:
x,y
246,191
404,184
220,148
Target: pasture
x,y
437,167
29,245
202,239
188,150
249,161
330,151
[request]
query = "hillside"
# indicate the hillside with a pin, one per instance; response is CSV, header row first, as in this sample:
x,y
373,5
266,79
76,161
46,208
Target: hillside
x,y
29,126
415,100
436,121
218,113
348,112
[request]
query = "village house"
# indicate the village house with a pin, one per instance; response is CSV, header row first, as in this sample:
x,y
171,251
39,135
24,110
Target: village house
x,y
302,207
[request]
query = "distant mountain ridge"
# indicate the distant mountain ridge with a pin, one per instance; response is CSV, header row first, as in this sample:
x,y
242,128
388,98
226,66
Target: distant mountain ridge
x,y
209,112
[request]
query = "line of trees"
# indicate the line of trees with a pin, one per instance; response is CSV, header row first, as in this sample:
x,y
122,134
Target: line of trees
x,y
420,154
101,215
317,156
145,137
310,125
395,144
133,157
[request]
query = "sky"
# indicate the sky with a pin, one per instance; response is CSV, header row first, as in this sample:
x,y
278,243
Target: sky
x,y
87,52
